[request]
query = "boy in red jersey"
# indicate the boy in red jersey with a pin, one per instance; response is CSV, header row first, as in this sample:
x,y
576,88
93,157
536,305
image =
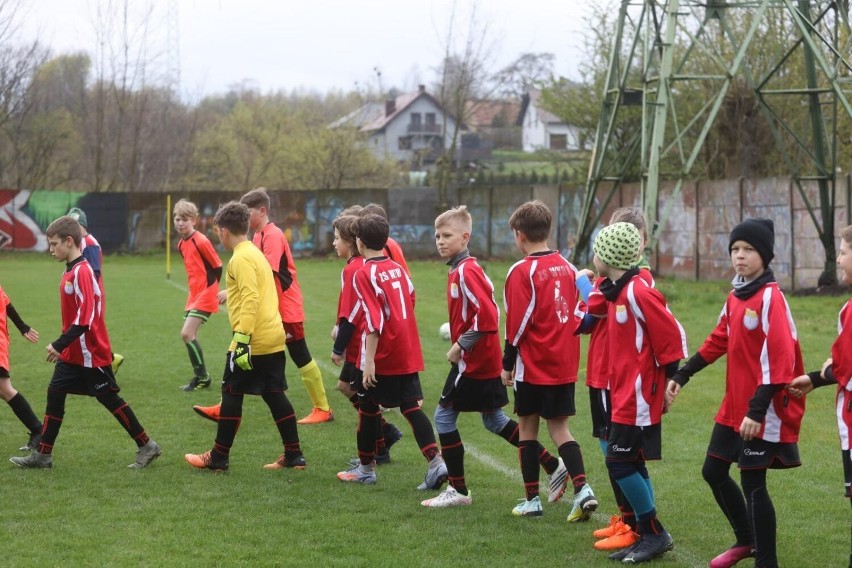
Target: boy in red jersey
x,y
274,246
347,331
473,383
621,531
392,357
203,272
256,356
645,343
541,355
82,353
837,369
91,249
757,425
13,398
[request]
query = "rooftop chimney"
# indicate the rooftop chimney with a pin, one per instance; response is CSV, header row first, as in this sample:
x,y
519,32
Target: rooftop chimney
x,y
421,88
390,107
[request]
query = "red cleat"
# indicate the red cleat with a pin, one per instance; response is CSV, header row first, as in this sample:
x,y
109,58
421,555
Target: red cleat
x,y
208,412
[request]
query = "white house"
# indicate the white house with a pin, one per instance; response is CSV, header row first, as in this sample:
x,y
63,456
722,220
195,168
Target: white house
x,y
412,127
543,130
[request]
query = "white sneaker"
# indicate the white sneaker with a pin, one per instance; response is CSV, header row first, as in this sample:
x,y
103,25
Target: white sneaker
x,y
449,497
436,474
558,481
531,508
585,504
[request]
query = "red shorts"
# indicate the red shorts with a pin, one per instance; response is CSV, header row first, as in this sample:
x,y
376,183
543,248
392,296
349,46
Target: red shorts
x,y
294,331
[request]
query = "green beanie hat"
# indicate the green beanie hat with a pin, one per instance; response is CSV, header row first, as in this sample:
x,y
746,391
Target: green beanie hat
x,y
619,245
79,215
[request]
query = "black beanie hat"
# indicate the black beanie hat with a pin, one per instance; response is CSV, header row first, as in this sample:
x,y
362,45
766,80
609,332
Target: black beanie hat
x,y
759,233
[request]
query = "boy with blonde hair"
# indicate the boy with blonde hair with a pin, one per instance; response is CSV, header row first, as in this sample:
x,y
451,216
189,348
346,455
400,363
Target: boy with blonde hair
x,y
541,355
203,272
473,383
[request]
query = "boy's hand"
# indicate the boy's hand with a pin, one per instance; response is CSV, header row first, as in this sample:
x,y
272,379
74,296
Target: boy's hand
x,y
369,380
31,336
222,297
52,354
749,429
454,354
506,377
336,359
672,389
242,352
589,274
800,386
826,365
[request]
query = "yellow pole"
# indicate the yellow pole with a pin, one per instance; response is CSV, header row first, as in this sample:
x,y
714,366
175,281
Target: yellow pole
x,y
168,237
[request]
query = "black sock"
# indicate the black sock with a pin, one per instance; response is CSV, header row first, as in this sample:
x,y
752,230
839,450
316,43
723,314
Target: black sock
x,y
510,433
422,429
761,513
649,523
573,459
367,433
125,416
729,497
53,416
285,420
196,358
24,412
452,449
230,416
528,456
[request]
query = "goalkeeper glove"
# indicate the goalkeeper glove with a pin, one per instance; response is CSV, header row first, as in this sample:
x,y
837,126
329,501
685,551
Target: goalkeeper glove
x,y
242,352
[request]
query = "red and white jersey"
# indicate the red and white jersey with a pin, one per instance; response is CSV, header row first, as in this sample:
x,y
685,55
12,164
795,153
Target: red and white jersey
x,y
200,260
643,336
387,295
597,357
471,306
4,330
81,303
759,337
349,307
841,365
274,246
540,299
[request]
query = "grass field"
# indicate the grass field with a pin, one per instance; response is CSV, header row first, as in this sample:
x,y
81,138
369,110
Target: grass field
x,y
91,510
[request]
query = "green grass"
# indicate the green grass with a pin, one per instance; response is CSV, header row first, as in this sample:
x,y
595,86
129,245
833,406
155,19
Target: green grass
x,y
90,510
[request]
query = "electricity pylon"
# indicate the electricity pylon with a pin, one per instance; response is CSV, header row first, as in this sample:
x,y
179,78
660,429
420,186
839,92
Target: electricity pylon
x,y
651,55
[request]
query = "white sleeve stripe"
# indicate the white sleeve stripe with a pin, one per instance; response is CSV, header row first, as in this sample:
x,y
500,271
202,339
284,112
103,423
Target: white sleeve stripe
x,y
529,311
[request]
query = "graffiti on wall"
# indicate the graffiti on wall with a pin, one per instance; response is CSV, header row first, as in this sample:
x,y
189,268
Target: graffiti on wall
x,y
18,230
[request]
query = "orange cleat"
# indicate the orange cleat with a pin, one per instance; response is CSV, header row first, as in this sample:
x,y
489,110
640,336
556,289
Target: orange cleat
x,y
619,540
317,416
208,412
205,461
297,462
610,529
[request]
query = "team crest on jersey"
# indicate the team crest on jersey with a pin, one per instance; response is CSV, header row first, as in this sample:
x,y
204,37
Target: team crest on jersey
x,y
69,288
750,319
454,291
621,314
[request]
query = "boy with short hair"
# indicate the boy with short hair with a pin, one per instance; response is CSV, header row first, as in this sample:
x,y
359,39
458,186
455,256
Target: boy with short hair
x,y
91,249
16,401
392,357
757,425
391,249
348,329
541,355
256,357
473,383
82,353
645,343
203,272
273,244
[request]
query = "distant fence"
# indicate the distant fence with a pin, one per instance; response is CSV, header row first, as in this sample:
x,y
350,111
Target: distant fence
x,y
693,243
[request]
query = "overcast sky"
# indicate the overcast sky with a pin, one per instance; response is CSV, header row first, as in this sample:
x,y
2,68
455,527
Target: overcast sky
x,y
320,44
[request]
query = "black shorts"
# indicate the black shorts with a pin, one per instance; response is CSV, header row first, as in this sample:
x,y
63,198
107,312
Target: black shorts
x,y
391,391
76,379
634,443
726,444
599,402
547,401
847,471
464,394
351,375
200,314
266,375
4,373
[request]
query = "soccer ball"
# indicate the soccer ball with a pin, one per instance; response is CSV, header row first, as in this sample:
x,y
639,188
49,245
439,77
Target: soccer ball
x,y
444,331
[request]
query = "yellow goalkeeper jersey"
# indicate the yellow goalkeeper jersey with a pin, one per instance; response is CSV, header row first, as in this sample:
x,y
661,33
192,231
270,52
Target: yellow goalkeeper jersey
x,y
253,300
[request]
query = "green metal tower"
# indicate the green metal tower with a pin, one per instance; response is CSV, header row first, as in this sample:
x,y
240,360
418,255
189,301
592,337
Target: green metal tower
x,y
651,60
